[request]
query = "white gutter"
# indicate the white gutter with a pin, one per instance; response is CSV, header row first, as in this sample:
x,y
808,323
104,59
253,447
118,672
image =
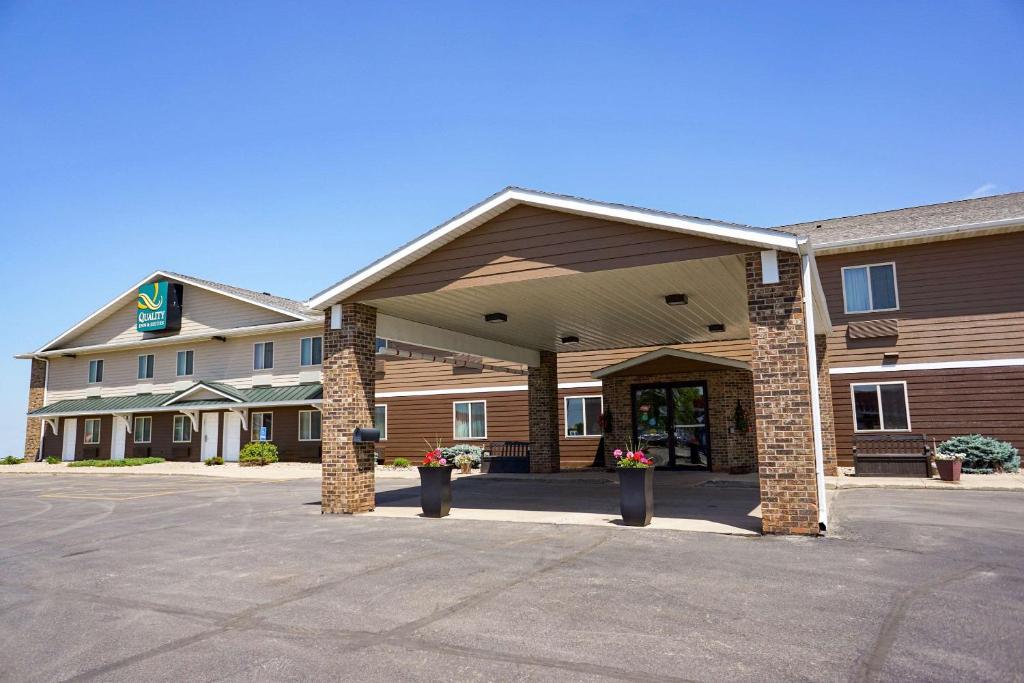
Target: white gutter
x,y
176,339
177,409
914,235
806,254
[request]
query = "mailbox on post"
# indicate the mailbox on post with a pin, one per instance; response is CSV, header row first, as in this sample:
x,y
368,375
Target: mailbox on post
x,y
365,435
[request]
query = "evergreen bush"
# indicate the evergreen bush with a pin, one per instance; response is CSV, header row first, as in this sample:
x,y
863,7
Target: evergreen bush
x,y
983,454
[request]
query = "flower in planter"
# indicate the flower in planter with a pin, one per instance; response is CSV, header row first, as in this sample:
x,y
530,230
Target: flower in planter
x,y
631,459
434,459
949,456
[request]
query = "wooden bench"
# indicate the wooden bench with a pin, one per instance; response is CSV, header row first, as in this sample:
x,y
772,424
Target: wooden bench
x,y
506,457
891,455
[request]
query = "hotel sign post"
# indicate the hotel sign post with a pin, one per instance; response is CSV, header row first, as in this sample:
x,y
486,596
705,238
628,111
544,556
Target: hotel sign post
x,y
159,307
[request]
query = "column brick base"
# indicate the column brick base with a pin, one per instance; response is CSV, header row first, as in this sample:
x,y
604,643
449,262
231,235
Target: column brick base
x,y
542,383
36,396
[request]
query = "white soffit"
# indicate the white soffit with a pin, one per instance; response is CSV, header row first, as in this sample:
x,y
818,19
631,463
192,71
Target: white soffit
x,y
510,197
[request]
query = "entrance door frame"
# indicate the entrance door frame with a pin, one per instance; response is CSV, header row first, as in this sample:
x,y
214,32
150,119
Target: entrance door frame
x,y
69,438
232,436
668,386
209,443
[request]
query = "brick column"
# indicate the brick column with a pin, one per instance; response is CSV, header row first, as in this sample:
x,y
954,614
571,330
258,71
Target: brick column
x,y
36,394
349,375
782,399
828,425
542,382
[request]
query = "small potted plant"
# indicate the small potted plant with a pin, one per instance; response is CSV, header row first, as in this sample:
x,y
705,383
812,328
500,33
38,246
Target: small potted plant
x,y
949,465
464,462
636,486
435,485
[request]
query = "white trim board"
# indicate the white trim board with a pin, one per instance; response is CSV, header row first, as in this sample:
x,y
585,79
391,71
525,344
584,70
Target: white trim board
x,y
457,391
514,196
938,365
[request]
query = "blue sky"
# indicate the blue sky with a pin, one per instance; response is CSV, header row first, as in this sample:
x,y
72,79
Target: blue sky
x,y
280,146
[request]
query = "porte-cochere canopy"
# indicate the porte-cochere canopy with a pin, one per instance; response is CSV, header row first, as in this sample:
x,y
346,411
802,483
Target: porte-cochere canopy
x,y
525,275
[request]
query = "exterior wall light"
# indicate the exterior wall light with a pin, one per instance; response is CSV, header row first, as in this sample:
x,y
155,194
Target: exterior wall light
x,y
676,299
495,318
570,339
716,327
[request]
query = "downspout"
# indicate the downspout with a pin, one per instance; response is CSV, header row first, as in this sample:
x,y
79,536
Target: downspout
x,y
812,373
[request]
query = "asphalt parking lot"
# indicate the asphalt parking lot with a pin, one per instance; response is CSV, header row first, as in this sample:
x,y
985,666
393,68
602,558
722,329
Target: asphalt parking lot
x,y
176,578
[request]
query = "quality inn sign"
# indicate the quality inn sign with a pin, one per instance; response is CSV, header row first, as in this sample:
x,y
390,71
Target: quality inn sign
x,y
159,307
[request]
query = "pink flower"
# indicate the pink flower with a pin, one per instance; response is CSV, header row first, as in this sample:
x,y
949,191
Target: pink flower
x,y
640,453
617,452
443,461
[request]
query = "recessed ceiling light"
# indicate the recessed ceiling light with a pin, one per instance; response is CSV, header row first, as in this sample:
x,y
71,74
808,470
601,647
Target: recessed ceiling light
x,y
716,327
570,339
676,299
495,318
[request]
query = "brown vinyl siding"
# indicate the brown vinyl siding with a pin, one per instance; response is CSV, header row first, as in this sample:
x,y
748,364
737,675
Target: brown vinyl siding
x,y
526,243
943,403
958,300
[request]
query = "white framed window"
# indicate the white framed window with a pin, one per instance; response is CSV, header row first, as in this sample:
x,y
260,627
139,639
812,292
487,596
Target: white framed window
x,y
143,430
95,371
92,431
182,429
146,363
311,351
470,419
263,356
380,420
583,415
880,407
262,428
870,288
186,363
309,425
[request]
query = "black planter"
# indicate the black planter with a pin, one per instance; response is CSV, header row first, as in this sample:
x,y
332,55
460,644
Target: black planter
x,y
436,491
636,495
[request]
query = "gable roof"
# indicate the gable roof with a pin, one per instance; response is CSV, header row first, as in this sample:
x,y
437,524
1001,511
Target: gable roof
x,y
478,214
288,307
666,352
915,223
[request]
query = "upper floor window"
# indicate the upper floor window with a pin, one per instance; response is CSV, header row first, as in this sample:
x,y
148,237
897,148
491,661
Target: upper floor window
x,y
95,371
263,356
380,420
880,407
92,431
470,419
311,350
309,425
146,366
186,363
867,289
583,415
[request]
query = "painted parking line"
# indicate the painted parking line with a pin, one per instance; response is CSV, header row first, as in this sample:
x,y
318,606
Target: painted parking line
x,y
132,492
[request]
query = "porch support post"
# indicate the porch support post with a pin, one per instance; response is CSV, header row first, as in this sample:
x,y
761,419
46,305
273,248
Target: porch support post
x,y
828,425
542,384
36,396
782,397
348,368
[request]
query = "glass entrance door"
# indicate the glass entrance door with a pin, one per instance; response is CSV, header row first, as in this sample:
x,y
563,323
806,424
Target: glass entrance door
x,y
671,422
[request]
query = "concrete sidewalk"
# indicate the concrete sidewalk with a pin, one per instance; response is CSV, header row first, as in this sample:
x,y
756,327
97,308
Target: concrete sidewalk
x,y
968,482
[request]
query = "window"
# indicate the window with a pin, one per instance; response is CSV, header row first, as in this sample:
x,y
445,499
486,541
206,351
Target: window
x,y
583,415
870,288
311,350
262,427
146,367
143,429
881,407
309,425
186,363
263,356
92,431
380,420
95,371
182,429
382,344
470,419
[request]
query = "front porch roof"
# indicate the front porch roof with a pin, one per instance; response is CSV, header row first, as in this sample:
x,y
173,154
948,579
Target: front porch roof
x,y
669,360
297,394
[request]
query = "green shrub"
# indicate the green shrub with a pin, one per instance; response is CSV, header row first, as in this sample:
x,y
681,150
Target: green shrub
x,y
401,463
215,460
127,462
11,460
983,454
257,454
53,460
475,453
